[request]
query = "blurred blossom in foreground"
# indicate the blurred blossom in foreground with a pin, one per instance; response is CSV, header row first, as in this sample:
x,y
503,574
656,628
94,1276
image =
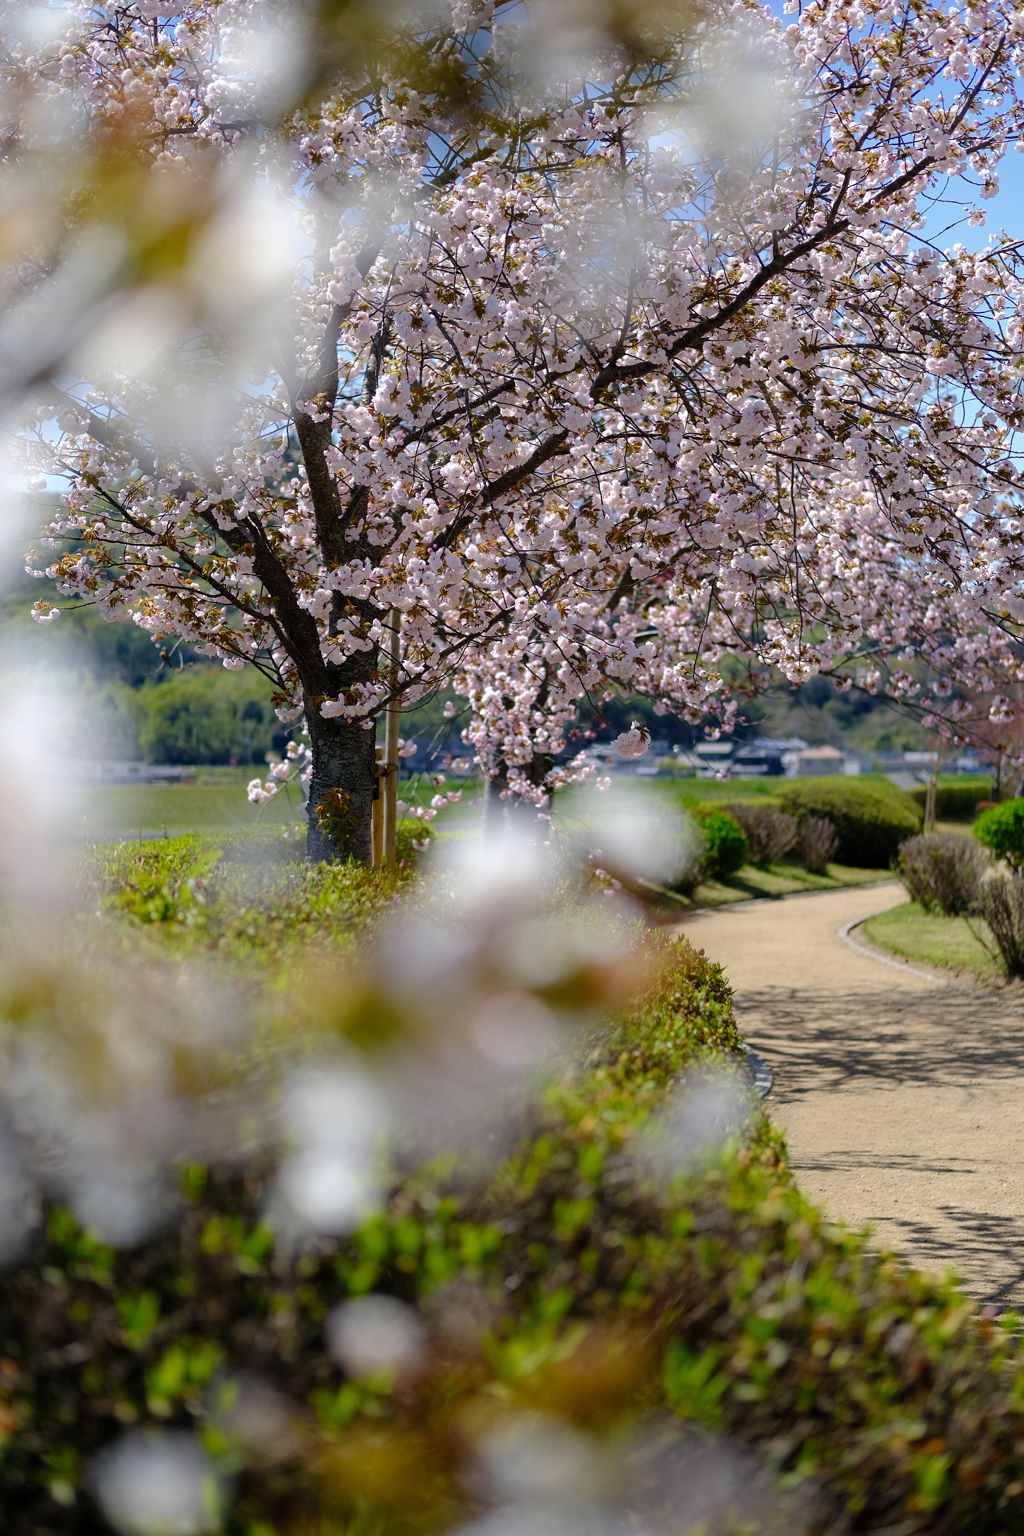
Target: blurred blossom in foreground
x,y
40,815
706,1112
333,1116
685,1481
106,1081
160,1485
256,1419
493,965
537,1458
635,834
544,1477
375,1336
19,513
19,1202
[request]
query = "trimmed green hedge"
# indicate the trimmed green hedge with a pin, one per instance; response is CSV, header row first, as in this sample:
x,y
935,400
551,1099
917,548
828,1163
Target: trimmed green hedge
x,y
725,843
955,799
568,1281
250,895
1001,828
871,816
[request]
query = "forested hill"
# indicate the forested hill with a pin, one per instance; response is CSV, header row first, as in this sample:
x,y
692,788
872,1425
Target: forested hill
x,y
122,699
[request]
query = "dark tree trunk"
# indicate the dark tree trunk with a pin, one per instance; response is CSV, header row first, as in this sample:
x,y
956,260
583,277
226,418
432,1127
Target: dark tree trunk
x,y
496,810
341,789
538,768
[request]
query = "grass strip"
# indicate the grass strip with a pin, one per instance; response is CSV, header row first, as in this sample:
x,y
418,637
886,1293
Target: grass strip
x,y
956,943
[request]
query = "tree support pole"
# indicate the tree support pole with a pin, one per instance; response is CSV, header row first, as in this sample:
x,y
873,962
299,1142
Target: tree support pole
x,y
378,813
930,795
389,782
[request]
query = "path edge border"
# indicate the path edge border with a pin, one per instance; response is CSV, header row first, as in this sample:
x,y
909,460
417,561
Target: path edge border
x,y
846,934
761,1072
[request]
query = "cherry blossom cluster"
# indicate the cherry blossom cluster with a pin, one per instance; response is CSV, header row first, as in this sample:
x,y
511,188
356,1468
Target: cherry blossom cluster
x,y
294,769
635,389
632,743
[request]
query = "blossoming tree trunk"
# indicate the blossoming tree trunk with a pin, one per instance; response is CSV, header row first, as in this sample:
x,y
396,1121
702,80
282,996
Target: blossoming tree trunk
x,y
341,789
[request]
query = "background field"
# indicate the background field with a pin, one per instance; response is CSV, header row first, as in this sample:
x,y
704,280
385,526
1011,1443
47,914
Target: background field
x,y
215,802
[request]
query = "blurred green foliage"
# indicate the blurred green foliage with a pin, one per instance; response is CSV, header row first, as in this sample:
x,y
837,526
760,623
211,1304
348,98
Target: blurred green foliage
x,y
567,1279
207,715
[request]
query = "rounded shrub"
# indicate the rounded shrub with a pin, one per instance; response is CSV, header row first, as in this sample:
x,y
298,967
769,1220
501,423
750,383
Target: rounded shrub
x,y
769,832
726,848
816,843
411,840
1001,828
1001,904
942,871
871,816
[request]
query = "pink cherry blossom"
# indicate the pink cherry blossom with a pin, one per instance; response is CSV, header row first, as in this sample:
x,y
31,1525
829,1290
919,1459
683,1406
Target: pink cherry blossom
x,y
593,408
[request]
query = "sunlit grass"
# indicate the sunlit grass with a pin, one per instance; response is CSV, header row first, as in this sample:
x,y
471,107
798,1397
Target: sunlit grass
x,y
215,801
959,942
785,878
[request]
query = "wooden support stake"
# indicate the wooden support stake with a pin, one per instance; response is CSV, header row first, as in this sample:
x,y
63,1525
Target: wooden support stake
x,y
391,751
929,796
378,814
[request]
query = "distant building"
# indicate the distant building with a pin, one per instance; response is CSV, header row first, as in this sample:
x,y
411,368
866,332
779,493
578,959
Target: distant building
x,y
85,771
909,769
765,755
815,762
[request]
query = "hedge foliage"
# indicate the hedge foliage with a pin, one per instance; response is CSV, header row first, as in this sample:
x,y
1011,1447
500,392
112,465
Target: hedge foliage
x,y
956,799
871,816
725,843
1001,829
572,1279
250,895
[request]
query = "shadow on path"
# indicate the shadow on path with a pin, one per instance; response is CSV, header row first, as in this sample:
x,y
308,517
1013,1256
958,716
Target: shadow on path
x,y
902,1101
829,1040
905,1109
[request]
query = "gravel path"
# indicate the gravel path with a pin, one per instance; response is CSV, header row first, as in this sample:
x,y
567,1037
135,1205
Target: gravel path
x,y
902,1100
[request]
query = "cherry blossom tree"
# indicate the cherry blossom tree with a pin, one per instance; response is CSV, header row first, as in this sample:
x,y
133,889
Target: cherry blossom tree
x,y
627,365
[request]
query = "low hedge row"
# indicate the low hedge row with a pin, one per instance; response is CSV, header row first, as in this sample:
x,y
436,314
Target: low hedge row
x,y
725,843
871,816
955,800
248,896
570,1280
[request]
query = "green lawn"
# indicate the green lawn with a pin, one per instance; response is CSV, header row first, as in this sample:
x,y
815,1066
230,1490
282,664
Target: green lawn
x,y
681,789
782,879
909,931
215,802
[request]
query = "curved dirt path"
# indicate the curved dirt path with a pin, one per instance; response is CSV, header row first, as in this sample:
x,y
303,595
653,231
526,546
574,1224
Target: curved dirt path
x,y
902,1100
